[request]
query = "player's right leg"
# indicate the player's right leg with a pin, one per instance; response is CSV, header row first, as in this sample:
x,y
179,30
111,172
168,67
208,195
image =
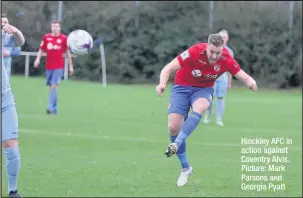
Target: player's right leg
x,y
177,113
10,143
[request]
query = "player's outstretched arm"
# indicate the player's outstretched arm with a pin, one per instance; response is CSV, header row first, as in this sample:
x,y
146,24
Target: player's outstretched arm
x,y
17,34
19,38
173,66
246,79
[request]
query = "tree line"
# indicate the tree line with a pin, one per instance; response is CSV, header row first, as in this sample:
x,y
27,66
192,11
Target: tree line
x,y
140,40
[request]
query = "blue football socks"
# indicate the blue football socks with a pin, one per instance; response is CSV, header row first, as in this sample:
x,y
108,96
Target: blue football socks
x,y
188,127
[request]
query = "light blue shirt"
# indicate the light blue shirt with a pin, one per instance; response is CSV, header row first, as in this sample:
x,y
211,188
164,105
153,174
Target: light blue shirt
x,y
5,86
8,43
5,81
225,75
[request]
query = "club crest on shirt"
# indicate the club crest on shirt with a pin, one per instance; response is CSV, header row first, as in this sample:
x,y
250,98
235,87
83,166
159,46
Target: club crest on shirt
x,y
217,68
196,73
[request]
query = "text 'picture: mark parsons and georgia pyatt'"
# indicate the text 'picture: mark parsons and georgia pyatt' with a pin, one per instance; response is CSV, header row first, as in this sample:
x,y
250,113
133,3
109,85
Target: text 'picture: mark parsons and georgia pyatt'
x,y
264,162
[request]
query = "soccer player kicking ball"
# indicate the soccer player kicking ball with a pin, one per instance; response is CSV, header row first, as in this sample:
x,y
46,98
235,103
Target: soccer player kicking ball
x,y
54,44
10,118
197,69
220,87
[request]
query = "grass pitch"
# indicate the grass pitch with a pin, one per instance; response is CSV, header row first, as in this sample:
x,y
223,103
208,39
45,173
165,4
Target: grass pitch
x,y
110,142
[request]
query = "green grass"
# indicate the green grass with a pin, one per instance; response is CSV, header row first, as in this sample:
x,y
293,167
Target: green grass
x,y
110,142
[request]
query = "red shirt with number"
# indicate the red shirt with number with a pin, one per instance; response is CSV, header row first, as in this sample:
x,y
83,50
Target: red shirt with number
x,y
54,47
196,71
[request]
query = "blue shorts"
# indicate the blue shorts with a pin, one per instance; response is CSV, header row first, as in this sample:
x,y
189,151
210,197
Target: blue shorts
x,y
53,77
182,98
9,118
220,88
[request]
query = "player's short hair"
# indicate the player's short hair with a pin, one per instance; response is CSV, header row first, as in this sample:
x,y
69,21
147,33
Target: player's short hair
x,y
223,31
56,21
3,15
216,40
219,30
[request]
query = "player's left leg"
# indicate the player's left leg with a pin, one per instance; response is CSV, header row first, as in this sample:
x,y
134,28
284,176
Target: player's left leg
x,y
221,93
200,101
177,113
10,147
53,96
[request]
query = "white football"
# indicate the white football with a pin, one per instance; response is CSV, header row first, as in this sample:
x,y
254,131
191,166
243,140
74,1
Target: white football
x,y
79,42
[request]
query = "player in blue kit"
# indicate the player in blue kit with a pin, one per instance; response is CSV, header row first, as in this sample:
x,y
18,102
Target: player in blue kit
x,y
220,87
9,136
8,49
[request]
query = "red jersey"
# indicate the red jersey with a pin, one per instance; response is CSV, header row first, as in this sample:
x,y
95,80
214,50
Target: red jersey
x,y
54,47
196,70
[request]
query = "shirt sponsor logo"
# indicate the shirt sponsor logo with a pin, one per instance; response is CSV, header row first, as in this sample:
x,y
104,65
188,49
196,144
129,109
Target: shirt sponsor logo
x,y
49,46
211,76
56,47
196,73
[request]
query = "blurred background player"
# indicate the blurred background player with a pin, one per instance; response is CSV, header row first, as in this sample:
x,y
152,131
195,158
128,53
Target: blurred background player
x,y
197,69
54,44
10,117
220,87
8,44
